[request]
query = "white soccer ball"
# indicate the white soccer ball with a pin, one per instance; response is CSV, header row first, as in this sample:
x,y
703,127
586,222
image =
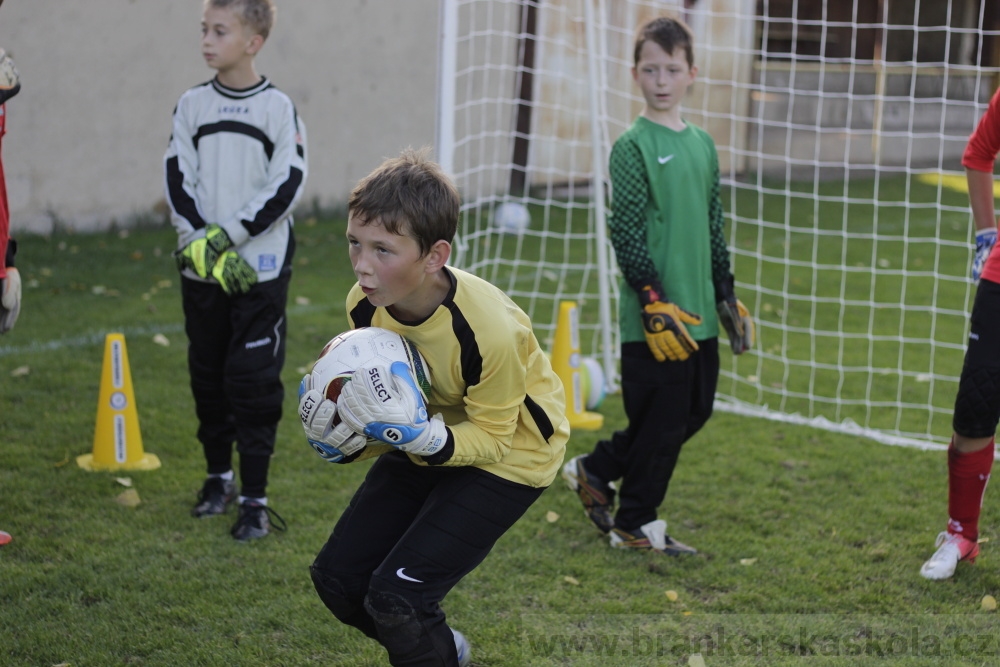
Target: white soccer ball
x,y
511,216
592,382
363,348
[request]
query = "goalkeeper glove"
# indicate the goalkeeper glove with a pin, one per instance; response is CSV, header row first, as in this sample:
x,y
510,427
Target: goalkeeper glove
x,y
734,318
663,323
10,299
234,273
10,82
332,442
201,254
985,240
386,404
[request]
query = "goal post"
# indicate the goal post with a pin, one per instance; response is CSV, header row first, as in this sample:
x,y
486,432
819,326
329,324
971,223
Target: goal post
x,y
839,128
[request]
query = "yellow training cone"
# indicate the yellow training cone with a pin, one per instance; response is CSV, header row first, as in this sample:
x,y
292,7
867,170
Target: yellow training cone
x,y
117,441
566,361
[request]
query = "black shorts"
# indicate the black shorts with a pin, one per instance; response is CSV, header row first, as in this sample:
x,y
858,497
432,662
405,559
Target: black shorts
x,y
977,405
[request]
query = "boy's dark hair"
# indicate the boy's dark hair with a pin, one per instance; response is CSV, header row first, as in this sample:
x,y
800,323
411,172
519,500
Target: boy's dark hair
x,y
409,190
669,34
258,15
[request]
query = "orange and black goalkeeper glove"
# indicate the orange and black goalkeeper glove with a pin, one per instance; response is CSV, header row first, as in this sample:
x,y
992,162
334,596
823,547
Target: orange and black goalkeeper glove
x,y
663,323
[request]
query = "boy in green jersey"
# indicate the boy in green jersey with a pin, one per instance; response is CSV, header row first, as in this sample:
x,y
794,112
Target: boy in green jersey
x,y
667,231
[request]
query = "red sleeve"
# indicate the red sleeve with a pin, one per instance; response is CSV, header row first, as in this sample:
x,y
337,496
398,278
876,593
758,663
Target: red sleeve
x,y
984,144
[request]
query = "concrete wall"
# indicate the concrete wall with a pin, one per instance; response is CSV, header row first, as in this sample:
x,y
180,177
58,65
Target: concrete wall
x,y
86,135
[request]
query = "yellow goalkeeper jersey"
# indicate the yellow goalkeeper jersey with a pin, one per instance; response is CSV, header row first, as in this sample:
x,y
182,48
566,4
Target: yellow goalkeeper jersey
x,y
490,380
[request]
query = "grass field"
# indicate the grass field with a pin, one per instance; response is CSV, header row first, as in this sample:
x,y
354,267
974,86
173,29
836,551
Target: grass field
x,y
810,541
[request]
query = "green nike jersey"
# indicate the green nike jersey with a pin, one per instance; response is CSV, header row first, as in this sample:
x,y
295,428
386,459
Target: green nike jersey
x,y
667,222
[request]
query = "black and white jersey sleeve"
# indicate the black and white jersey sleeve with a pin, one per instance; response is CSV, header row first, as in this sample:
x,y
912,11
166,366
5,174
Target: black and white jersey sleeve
x,y
237,158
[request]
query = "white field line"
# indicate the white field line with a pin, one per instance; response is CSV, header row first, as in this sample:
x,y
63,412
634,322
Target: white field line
x,y
96,338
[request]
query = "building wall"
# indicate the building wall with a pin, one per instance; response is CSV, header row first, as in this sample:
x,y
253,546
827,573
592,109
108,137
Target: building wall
x,y
86,135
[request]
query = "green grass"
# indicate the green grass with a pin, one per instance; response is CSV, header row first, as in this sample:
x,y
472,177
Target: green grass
x,y
799,530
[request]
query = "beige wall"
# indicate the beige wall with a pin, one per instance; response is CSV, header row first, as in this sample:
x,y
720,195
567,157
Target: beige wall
x,y
86,135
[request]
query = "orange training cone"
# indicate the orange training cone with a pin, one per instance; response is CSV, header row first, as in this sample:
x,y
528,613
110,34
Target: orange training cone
x,y
566,361
117,441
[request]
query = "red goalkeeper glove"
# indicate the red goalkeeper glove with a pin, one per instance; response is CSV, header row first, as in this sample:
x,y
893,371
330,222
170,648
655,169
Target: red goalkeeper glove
x,y
663,323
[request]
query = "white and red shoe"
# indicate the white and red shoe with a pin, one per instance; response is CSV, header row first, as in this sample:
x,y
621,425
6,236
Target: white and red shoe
x,y
952,548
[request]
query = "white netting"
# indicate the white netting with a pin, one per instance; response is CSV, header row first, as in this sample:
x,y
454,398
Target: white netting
x,y
840,128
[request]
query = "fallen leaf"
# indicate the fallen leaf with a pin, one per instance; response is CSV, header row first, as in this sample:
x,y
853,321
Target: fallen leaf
x,y
160,339
60,464
301,301
98,289
747,561
164,284
672,596
128,498
989,603
124,481
571,580
551,516
20,371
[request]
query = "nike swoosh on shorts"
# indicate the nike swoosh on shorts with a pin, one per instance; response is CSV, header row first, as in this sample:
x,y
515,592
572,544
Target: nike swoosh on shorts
x,y
406,577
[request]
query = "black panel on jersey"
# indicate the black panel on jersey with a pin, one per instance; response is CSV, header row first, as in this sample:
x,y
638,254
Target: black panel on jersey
x,y
183,202
235,127
276,205
472,359
362,313
542,420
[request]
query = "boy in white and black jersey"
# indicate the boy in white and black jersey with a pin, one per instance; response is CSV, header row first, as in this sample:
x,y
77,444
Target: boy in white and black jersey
x,y
235,168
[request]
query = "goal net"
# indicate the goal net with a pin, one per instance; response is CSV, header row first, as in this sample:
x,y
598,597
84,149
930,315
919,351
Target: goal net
x,y
839,127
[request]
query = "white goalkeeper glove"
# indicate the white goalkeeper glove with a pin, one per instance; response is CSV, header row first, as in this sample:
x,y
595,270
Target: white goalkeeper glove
x,y
10,82
332,443
386,404
10,299
985,240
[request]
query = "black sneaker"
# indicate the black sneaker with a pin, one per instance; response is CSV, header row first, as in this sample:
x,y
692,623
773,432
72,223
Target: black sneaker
x,y
214,497
253,522
596,495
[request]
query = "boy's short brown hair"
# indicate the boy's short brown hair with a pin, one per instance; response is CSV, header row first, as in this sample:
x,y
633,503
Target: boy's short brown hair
x,y
669,34
409,190
258,15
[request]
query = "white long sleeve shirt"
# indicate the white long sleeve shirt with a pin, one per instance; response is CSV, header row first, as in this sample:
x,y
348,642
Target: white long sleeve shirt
x,y
237,159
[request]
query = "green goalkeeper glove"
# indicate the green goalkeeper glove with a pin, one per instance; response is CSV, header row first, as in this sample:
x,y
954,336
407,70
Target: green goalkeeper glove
x,y
234,273
663,323
734,318
202,254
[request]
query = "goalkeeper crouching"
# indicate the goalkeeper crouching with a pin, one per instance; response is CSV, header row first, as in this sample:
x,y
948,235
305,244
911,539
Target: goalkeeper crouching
x,y
453,472
677,291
